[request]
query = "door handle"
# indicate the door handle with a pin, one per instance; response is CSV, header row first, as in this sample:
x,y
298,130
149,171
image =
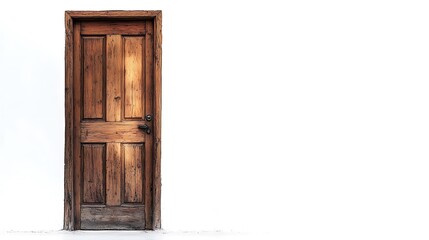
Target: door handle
x,y
145,128
148,117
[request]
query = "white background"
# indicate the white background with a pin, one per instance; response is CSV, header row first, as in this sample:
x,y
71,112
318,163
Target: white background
x,y
308,118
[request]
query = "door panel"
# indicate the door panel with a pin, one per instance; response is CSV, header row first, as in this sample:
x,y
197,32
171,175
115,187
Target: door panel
x,y
93,57
113,181
134,93
121,218
133,155
93,158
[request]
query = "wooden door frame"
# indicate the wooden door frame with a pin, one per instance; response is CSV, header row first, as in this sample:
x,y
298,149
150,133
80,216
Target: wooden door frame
x,y
70,17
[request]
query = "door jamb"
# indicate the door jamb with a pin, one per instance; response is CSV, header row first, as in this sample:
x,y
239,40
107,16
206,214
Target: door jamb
x,y
70,17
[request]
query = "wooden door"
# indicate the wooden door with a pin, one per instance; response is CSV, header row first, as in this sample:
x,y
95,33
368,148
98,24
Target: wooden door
x,y
115,118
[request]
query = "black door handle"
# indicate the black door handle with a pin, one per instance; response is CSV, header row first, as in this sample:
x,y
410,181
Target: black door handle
x,y
145,128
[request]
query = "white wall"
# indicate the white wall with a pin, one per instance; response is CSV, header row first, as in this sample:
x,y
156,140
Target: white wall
x,y
309,117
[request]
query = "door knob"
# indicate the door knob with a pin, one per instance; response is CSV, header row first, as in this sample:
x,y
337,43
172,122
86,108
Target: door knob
x,y
145,128
148,117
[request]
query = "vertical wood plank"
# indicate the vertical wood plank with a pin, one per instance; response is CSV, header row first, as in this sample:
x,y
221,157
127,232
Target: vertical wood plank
x,y
129,159
137,196
133,171
93,173
99,161
149,88
157,123
87,173
133,51
77,50
114,79
113,174
68,147
93,59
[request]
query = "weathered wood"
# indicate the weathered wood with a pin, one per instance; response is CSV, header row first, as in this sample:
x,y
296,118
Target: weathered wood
x,y
113,128
133,171
157,123
114,78
125,218
113,174
93,74
149,94
113,27
133,50
134,14
93,158
111,132
68,147
76,123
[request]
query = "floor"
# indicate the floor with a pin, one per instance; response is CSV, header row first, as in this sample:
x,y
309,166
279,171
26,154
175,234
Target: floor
x,y
128,235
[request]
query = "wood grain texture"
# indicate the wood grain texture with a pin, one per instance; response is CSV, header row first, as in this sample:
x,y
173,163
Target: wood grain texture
x,y
113,174
114,78
111,132
68,146
93,159
152,180
134,14
149,95
113,27
133,51
77,50
124,218
133,171
93,74
157,122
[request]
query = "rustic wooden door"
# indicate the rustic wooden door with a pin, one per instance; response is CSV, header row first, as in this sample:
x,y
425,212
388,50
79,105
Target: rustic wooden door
x,y
114,117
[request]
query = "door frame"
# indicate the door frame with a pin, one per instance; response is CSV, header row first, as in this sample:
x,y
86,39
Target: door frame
x,y
70,17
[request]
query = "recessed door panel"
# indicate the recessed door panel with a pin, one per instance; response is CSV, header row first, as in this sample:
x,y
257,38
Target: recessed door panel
x,y
134,167
134,77
93,159
93,77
